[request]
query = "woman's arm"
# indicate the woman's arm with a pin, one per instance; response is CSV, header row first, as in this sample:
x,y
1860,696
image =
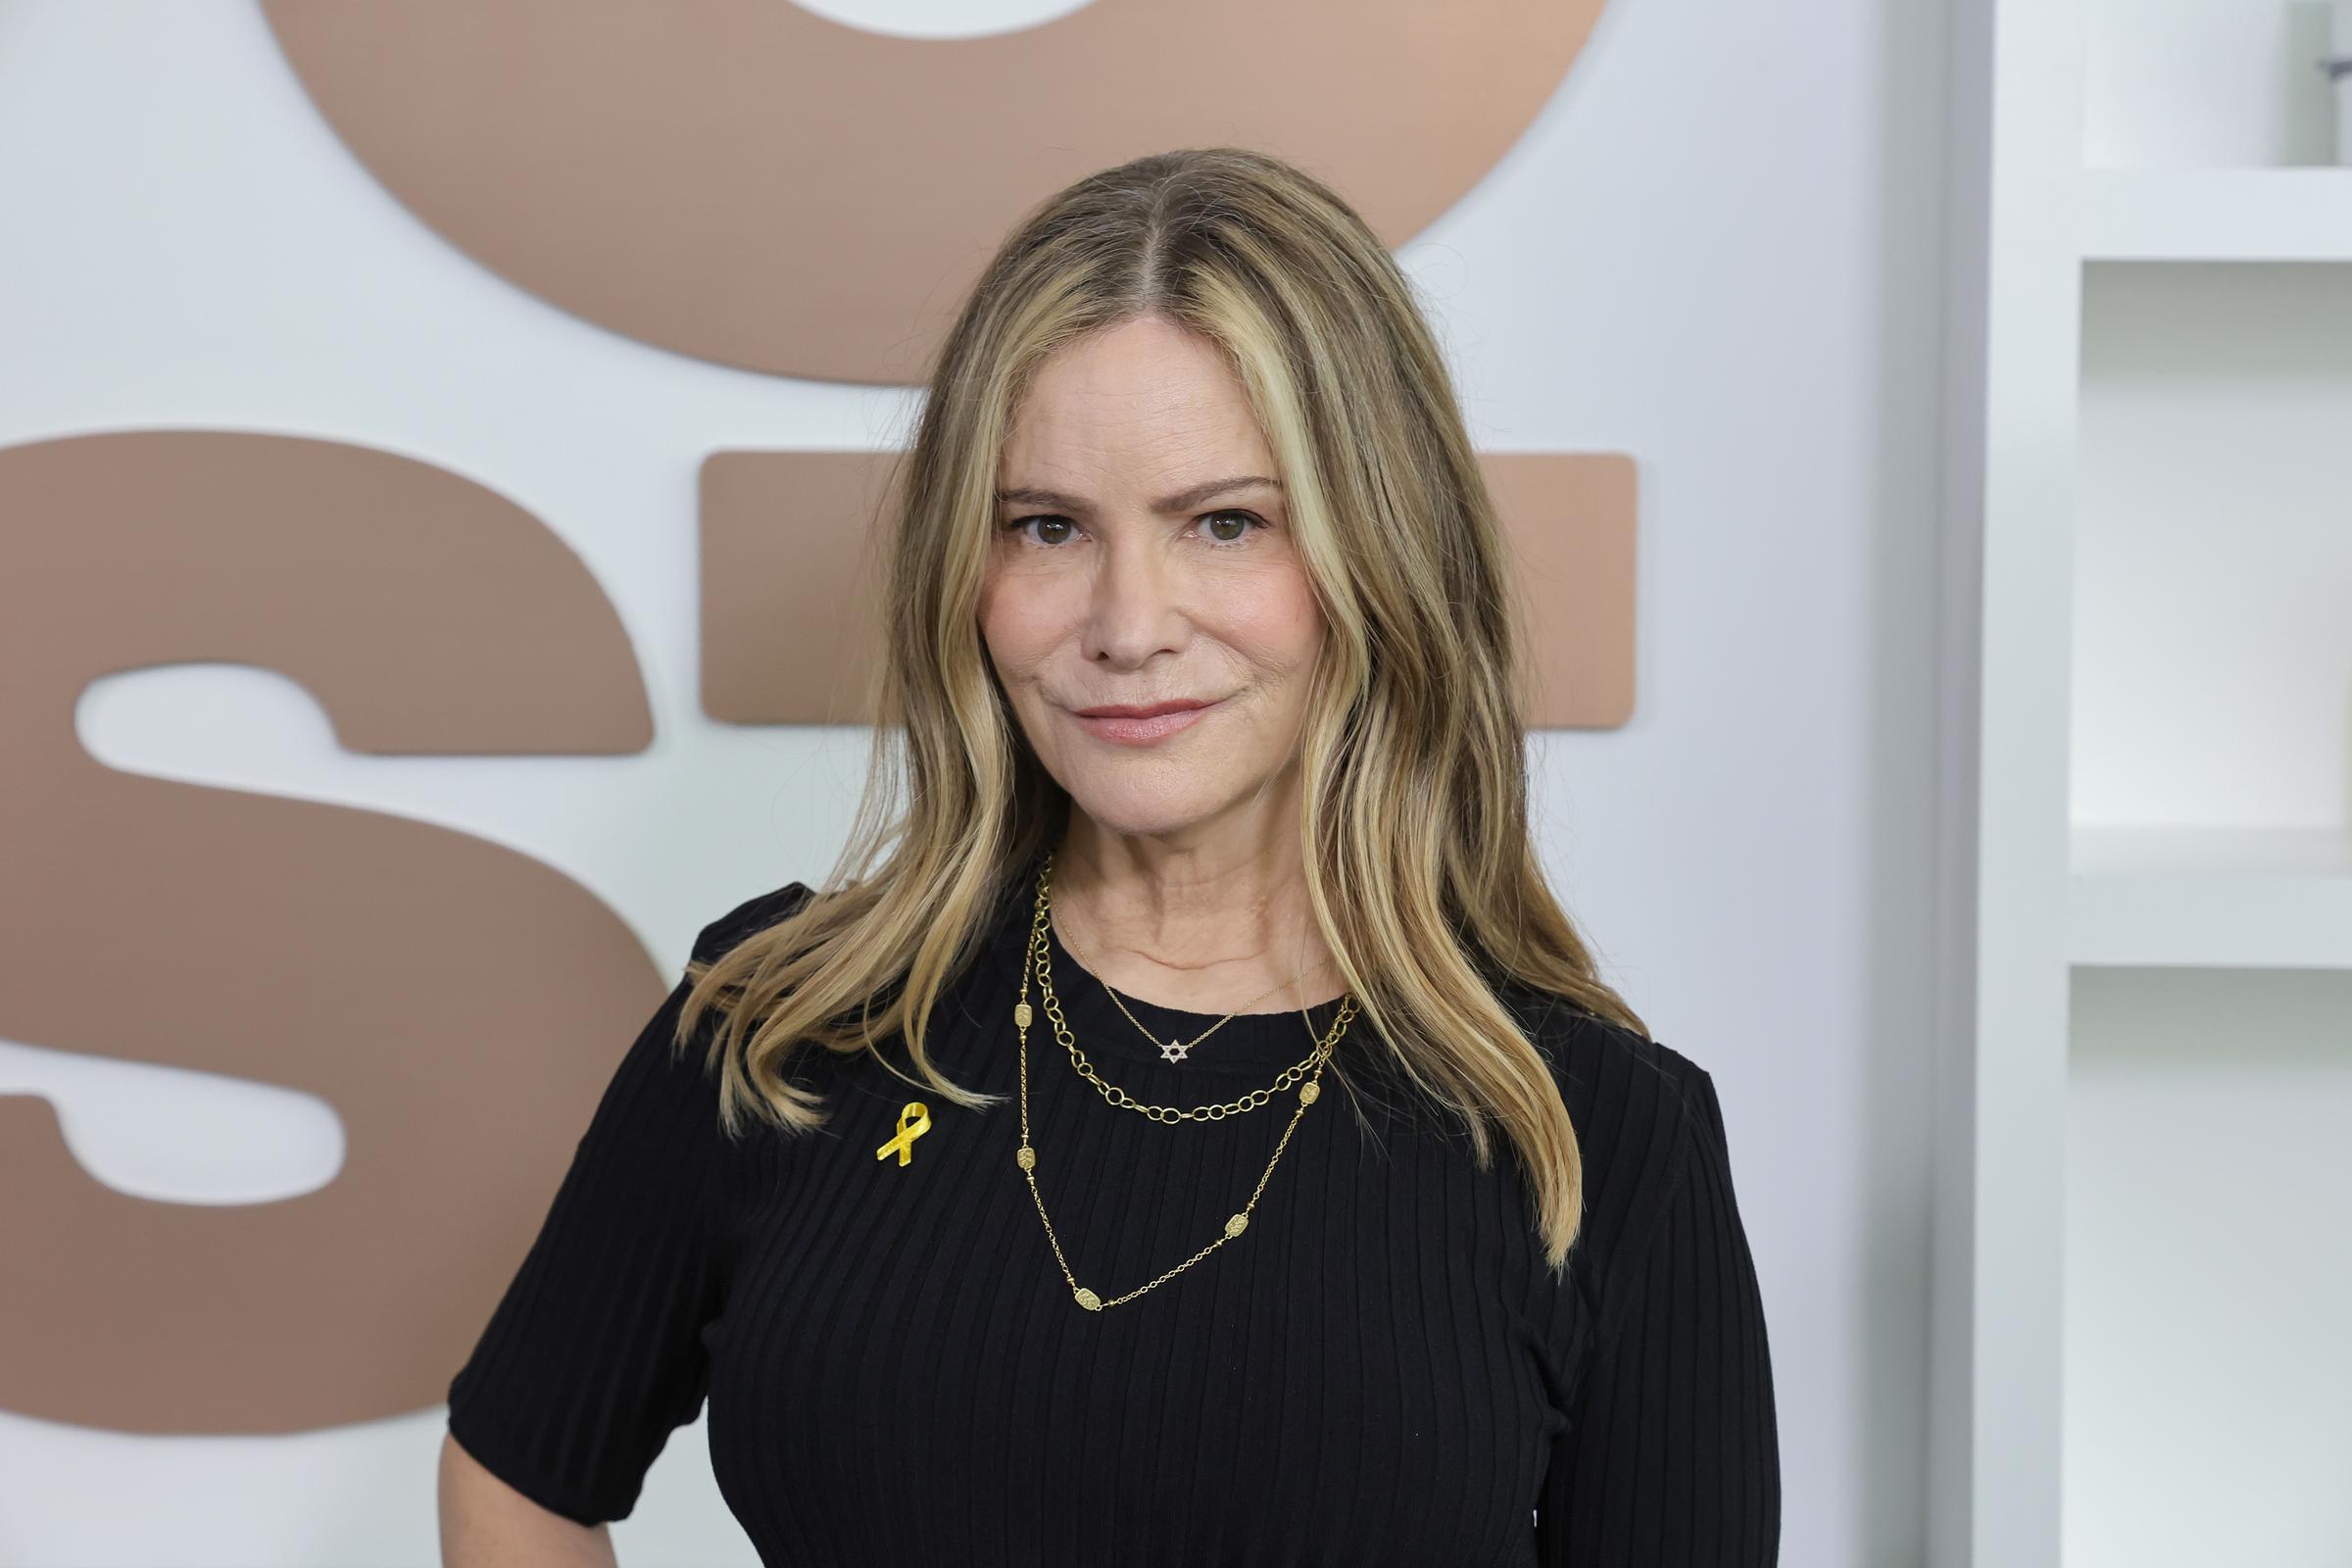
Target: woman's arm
x,y
594,1354
1672,1457
487,1524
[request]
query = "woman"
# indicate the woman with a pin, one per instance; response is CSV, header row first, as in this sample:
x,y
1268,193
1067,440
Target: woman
x,y
1102,1167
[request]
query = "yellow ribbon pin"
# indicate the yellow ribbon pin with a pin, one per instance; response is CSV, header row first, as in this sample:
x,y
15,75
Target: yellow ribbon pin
x,y
914,1122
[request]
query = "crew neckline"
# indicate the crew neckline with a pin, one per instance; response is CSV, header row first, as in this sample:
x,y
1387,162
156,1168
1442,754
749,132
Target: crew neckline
x,y
1250,1042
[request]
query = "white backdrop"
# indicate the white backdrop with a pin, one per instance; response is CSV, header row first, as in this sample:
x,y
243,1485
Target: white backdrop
x,y
1718,249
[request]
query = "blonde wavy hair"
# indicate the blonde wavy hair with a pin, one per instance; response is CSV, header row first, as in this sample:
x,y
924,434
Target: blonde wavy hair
x,y
1414,830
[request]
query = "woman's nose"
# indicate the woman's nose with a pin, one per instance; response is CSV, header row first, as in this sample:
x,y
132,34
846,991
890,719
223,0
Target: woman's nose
x,y
1133,609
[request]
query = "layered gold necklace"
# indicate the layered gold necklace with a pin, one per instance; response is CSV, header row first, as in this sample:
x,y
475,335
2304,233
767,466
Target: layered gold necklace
x,y
1039,960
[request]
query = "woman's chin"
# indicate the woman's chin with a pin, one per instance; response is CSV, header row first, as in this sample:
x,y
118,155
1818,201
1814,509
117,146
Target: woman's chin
x,y
1147,813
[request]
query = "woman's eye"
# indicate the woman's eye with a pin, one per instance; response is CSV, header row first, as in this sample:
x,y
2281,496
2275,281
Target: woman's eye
x,y
1245,519
1048,522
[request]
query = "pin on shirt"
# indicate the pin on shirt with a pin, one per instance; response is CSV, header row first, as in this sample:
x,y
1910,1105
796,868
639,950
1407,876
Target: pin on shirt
x,y
913,1121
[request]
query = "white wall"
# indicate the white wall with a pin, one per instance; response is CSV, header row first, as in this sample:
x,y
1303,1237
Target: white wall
x,y
1745,298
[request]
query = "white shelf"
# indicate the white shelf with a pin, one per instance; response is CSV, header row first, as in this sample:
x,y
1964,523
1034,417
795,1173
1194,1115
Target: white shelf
x,y
2211,898
2218,214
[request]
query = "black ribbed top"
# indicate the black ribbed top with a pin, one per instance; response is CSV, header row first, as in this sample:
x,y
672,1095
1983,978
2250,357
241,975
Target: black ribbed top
x,y
1379,1370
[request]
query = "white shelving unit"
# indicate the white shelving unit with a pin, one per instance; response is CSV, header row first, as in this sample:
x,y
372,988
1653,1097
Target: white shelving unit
x,y
2211,898
2218,214
2143,1251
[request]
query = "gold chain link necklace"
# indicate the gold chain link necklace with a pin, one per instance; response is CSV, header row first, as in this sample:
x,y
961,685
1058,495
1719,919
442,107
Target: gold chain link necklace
x,y
1039,958
1311,1062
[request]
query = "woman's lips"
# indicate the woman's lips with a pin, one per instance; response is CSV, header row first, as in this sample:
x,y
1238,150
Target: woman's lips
x,y
1144,731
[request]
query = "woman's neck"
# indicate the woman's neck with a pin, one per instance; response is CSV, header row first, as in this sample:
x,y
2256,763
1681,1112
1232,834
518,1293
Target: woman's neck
x,y
1205,929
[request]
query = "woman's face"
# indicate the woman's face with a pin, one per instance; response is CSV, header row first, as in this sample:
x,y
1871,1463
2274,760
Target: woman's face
x,y
1124,572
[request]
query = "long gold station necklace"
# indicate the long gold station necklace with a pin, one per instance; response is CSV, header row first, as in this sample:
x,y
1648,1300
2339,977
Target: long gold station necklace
x,y
1310,1070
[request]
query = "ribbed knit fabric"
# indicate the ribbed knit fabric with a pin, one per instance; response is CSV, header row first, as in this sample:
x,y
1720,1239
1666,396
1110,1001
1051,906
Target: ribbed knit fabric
x,y
1379,1370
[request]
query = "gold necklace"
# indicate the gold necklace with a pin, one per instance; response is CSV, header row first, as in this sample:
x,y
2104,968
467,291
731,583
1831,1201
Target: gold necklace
x,y
1041,958
1026,1156
1177,1050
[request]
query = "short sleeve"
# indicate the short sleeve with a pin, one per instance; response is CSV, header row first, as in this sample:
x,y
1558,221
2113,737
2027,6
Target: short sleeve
x,y
1670,1459
594,1355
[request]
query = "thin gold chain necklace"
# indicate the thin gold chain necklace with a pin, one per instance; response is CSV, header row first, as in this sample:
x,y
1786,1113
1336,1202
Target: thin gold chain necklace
x,y
1026,1156
1178,1050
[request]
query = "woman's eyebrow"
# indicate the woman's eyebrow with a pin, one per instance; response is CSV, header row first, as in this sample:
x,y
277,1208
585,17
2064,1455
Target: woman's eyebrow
x,y
1181,501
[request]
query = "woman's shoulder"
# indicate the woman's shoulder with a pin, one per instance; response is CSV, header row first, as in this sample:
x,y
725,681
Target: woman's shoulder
x,y
1647,1119
748,919
1614,1079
